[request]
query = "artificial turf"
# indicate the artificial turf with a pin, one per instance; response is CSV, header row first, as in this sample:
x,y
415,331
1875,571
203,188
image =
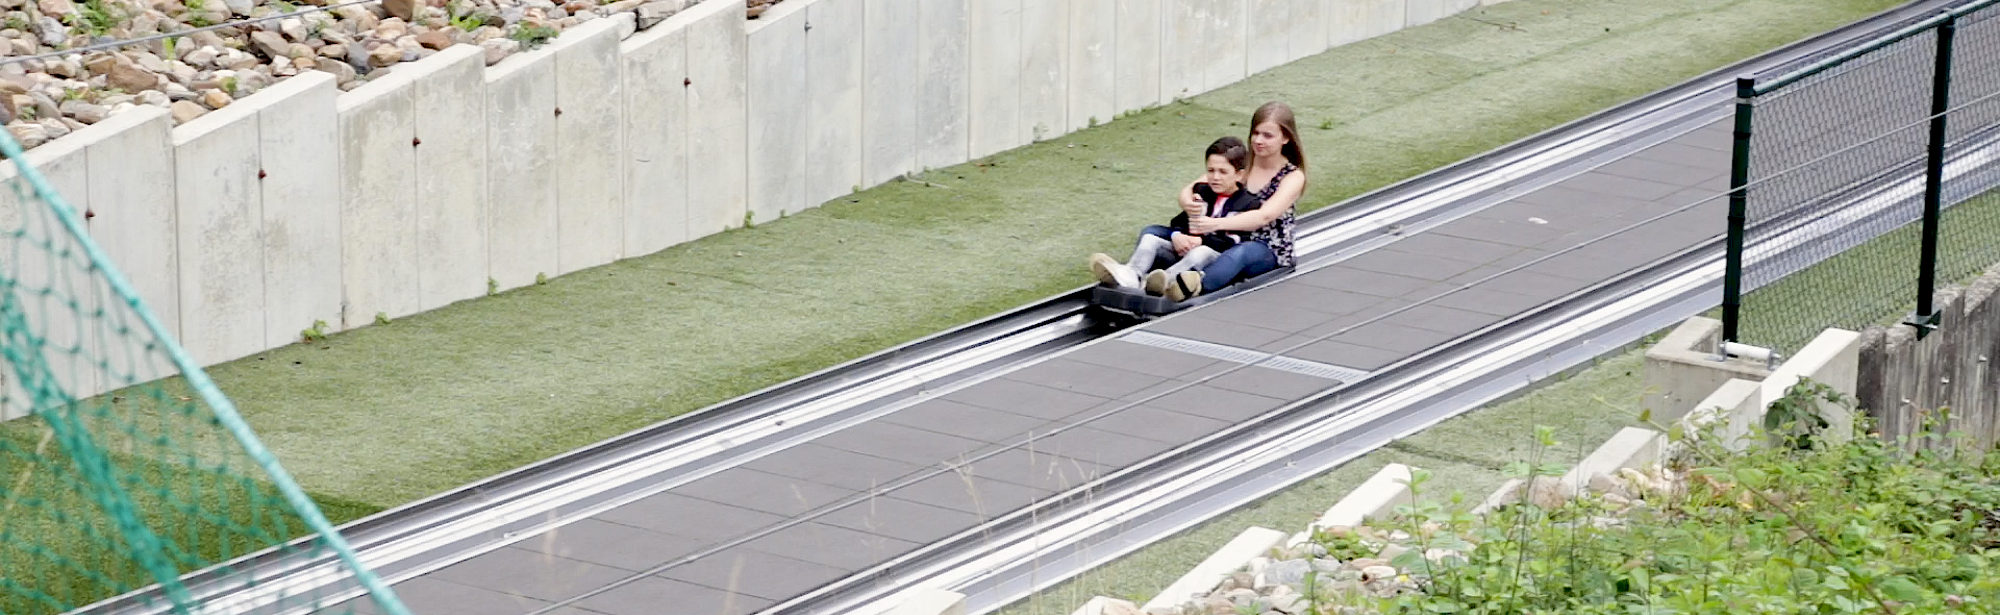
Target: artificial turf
x,y
387,414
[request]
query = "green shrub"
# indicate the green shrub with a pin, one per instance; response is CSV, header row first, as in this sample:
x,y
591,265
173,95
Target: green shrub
x,y
1815,527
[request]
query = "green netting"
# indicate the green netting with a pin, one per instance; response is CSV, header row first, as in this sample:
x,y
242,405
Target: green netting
x,y
128,483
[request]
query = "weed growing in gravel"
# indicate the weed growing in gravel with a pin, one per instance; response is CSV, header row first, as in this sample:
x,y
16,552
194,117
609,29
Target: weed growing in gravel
x,y
532,36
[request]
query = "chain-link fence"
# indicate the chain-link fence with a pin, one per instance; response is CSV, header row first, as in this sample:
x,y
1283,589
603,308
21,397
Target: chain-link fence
x,y
1861,179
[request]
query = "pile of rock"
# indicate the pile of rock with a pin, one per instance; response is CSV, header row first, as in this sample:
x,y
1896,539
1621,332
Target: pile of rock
x,y
1278,585
45,98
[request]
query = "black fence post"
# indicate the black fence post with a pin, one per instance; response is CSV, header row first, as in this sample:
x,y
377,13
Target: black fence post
x,y
1926,316
1739,180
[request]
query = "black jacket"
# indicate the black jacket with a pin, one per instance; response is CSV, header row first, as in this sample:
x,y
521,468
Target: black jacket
x,y
1239,202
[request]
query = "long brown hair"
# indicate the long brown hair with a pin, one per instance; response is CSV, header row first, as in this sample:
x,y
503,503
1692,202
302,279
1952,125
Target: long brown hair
x,y
1281,113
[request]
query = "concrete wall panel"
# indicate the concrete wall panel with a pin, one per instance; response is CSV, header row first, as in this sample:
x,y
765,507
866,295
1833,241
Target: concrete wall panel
x,y
301,205
1227,43
521,168
1044,69
943,80
131,170
656,161
1308,36
1204,46
889,106
716,115
65,166
1138,54
219,211
1454,7
1270,32
778,108
1350,21
1420,12
378,217
1093,63
994,55
590,204
451,177
833,123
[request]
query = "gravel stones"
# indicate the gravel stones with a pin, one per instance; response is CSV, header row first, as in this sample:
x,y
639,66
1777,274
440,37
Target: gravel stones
x,y
84,112
272,44
185,111
198,71
435,39
402,9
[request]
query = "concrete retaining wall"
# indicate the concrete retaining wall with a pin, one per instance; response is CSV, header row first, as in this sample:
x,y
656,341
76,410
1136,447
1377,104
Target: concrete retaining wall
x,y
1904,381
303,203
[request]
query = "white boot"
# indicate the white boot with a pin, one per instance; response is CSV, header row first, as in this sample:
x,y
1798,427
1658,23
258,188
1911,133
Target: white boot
x,y
1113,273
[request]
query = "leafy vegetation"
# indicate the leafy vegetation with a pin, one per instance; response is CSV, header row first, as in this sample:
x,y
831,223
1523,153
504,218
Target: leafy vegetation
x,y
1807,526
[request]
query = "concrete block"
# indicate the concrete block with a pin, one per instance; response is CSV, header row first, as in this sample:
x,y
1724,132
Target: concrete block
x,y
64,165
220,219
656,127
1308,35
1101,605
1044,86
452,186
993,40
717,137
1733,408
1140,25
889,110
1681,369
1508,493
1252,543
1377,497
590,203
943,81
1454,7
131,173
931,601
521,168
300,198
1269,44
1834,359
378,214
1420,12
1093,63
779,103
833,121
1631,447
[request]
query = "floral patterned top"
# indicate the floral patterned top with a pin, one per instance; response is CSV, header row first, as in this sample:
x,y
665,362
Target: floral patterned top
x,y
1277,234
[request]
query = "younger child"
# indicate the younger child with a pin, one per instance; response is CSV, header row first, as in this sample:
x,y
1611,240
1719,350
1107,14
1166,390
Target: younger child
x,y
1222,195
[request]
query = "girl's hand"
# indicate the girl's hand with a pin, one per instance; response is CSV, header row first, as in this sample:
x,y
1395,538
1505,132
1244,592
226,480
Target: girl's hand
x,y
1184,242
1204,225
1190,203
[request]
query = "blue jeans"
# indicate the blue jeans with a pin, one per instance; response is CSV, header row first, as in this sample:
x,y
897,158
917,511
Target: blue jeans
x,y
1246,260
